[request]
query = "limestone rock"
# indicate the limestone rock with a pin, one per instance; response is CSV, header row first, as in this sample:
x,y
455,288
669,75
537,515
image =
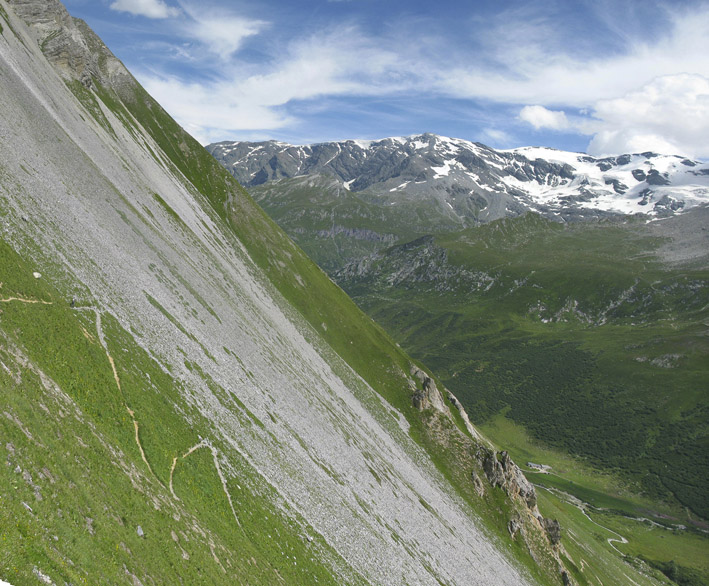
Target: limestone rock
x,y
427,397
69,44
464,415
553,530
503,472
477,484
514,526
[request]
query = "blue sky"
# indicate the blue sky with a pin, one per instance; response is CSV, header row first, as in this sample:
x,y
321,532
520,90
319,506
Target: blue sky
x,y
600,76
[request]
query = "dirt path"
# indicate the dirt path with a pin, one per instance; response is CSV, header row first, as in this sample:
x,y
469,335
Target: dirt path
x,y
581,506
102,340
23,300
202,444
206,444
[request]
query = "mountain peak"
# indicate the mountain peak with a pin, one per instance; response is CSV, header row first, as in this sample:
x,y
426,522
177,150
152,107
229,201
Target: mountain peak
x,y
477,183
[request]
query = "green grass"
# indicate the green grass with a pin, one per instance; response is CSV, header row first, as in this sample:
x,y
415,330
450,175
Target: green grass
x,y
589,558
576,331
613,504
79,451
97,477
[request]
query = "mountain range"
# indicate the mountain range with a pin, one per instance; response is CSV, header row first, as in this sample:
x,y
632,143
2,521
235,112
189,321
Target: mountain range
x,y
472,183
186,398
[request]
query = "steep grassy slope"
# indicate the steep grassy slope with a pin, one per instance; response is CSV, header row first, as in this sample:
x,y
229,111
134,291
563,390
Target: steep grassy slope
x,y
186,397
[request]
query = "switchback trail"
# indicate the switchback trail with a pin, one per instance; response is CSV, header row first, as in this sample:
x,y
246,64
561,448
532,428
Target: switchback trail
x,y
206,444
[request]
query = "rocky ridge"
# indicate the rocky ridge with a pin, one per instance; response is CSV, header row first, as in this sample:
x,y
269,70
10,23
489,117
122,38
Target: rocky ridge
x,y
470,183
70,45
498,468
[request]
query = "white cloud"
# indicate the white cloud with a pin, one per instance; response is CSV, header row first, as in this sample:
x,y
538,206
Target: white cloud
x,y
331,64
636,97
532,66
668,115
221,32
496,135
203,108
149,8
541,117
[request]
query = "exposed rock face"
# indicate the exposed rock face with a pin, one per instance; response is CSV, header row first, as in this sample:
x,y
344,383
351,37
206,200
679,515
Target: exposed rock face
x,y
428,397
503,472
464,416
477,484
553,529
69,44
514,526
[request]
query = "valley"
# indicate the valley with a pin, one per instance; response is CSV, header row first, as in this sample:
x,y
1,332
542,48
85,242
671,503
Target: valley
x,y
174,408
585,336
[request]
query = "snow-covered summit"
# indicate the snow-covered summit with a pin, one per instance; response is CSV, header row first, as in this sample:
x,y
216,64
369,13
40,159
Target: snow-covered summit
x,y
477,182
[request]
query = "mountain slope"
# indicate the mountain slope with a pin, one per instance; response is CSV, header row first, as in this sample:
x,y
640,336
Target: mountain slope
x,y
175,408
588,336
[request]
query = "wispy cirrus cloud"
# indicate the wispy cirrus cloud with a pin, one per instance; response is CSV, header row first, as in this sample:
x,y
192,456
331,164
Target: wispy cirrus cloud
x,y
221,31
333,63
637,97
527,63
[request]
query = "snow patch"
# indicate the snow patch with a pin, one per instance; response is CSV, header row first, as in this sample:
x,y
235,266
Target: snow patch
x,y
404,184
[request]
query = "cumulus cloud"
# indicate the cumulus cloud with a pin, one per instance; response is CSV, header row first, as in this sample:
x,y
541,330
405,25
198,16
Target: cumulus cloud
x,y
541,117
668,115
149,8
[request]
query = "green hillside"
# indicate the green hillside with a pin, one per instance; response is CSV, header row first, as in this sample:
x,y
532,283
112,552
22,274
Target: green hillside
x,y
578,332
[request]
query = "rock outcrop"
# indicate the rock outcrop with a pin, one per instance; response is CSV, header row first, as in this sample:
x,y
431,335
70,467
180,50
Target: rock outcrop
x,y
503,472
553,529
427,396
464,416
70,45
